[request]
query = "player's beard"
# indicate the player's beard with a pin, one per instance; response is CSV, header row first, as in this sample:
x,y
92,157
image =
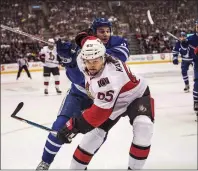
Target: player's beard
x,y
92,72
95,72
51,47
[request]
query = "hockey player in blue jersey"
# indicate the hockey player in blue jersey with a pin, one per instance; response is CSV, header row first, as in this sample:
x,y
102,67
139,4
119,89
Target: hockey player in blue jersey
x,y
77,98
192,44
186,59
193,40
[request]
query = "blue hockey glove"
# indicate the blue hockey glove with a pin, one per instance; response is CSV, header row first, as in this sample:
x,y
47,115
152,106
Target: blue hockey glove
x,y
66,53
175,61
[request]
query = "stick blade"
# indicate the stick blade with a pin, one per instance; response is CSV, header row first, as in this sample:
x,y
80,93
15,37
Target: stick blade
x,y
18,108
149,17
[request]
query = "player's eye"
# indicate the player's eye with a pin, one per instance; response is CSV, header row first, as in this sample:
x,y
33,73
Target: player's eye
x,y
103,31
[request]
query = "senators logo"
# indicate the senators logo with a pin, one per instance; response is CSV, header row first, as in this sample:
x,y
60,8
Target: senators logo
x,y
52,57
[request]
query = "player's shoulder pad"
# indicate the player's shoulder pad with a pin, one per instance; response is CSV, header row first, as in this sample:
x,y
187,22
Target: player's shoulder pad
x,y
117,40
191,37
45,48
178,43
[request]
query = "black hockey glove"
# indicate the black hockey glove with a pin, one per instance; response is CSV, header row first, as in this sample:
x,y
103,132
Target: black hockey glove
x,y
68,132
81,35
42,58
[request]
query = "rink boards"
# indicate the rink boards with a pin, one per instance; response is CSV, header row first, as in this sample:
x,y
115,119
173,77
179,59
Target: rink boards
x,y
133,59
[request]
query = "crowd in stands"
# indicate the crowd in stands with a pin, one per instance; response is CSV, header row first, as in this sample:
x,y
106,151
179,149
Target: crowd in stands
x,y
51,18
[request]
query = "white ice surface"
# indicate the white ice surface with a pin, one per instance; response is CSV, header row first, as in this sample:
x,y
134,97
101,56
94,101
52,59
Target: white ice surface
x,y
174,144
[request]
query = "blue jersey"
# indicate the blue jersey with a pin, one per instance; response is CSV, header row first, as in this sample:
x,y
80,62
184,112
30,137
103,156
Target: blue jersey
x,y
182,51
116,46
193,41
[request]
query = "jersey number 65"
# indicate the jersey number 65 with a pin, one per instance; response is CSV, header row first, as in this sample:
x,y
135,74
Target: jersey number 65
x,y
108,96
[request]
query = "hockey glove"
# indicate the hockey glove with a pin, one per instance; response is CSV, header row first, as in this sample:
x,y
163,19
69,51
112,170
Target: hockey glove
x,y
66,53
68,132
175,61
42,58
81,35
196,51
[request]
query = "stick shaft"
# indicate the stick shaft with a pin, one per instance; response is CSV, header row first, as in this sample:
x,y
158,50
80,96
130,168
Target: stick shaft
x,y
178,39
25,34
18,108
35,125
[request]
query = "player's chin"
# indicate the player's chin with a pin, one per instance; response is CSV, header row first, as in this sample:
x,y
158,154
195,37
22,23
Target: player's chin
x,y
93,72
105,41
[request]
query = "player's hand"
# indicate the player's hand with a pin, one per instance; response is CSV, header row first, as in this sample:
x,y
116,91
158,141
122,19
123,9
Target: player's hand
x,y
68,132
175,61
64,50
81,35
42,58
196,51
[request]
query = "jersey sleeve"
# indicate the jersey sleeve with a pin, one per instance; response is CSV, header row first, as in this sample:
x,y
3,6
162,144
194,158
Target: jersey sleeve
x,y
42,51
192,42
175,50
119,50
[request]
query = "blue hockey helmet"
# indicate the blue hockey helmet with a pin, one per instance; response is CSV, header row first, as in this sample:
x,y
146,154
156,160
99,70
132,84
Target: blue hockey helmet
x,y
99,22
183,34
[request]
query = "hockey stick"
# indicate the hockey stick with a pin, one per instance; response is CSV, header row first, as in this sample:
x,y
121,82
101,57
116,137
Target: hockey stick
x,y
18,108
151,22
29,35
178,39
25,34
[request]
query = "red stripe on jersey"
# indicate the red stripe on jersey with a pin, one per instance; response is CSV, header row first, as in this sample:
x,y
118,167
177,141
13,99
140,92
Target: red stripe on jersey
x,y
131,76
128,86
137,152
85,158
95,115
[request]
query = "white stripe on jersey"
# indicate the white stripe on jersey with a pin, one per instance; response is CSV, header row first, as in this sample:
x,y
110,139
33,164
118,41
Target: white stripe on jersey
x,y
123,51
80,88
